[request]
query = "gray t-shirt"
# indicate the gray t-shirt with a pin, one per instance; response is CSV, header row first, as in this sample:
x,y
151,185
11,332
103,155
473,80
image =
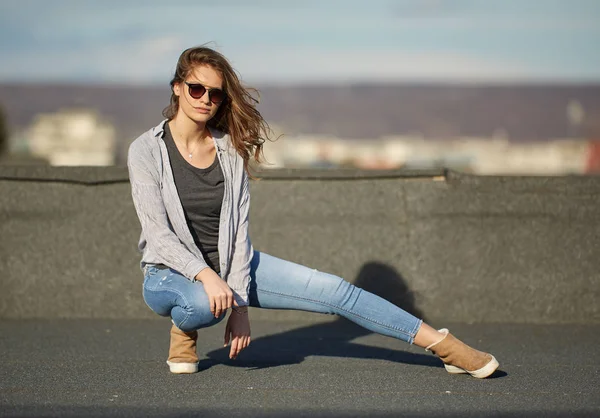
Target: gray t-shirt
x,y
201,193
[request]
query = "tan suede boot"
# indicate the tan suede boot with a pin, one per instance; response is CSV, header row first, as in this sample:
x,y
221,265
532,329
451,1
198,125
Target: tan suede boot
x,y
460,358
182,351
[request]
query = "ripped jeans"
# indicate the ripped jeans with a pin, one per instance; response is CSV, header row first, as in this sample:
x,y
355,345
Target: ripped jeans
x,y
278,284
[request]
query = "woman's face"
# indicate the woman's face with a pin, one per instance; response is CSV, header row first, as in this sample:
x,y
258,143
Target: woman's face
x,y
202,109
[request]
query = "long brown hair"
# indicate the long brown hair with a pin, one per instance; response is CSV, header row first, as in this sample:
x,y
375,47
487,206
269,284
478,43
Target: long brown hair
x,y
237,115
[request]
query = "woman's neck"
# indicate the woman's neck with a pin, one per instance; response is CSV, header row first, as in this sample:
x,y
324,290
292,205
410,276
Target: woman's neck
x,y
187,131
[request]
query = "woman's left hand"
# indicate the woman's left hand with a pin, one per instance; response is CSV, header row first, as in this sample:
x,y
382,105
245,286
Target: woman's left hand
x,y
237,331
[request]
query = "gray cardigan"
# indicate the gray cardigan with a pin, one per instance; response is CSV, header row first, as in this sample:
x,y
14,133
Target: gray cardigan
x,y
165,237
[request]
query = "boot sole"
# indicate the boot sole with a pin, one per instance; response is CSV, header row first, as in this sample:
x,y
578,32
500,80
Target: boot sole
x,y
183,368
482,373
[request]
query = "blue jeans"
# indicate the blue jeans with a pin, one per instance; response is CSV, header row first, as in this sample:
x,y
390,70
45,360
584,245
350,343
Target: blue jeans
x,y
278,284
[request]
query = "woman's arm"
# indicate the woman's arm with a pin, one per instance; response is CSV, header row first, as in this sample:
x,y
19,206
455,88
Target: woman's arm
x,y
239,276
237,330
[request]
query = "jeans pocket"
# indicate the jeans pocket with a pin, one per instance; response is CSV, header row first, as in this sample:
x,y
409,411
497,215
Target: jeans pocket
x,y
150,269
150,276
158,298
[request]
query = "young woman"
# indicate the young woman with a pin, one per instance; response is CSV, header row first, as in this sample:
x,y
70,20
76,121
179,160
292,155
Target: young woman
x,y
189,183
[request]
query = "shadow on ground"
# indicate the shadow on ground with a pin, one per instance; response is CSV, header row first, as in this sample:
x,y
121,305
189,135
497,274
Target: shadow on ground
x,y
333,339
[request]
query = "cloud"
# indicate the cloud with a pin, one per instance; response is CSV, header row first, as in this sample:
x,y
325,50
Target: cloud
x,y
135,62
481,23
153,61
364,65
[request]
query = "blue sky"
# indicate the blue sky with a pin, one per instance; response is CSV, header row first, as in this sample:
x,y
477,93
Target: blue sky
x,y
280,41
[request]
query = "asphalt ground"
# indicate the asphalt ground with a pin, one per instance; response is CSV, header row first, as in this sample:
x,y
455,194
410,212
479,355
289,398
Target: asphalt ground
x,y
116,368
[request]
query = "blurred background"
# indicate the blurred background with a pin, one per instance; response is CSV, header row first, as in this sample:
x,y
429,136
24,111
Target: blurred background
x,y
486,87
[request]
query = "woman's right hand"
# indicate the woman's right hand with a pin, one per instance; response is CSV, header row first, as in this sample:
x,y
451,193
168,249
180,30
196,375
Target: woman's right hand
x,y
219,293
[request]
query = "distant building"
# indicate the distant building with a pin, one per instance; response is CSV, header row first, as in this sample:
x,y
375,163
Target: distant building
x,y
486,156
593,158
72,137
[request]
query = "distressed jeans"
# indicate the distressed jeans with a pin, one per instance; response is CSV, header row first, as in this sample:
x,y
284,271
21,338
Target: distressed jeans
x,y
278,284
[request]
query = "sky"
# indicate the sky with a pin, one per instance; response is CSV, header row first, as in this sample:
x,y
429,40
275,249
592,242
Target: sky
x,y
291,42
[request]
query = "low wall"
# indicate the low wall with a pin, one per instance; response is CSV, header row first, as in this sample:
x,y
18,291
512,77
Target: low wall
x,y
444,245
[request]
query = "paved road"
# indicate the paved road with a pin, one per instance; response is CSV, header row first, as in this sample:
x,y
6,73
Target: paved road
x,y
100,368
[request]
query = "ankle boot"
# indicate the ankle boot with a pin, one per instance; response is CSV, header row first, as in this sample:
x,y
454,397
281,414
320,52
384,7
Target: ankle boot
x,y
182,351
460,358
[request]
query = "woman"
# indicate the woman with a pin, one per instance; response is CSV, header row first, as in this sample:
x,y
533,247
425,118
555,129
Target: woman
x,y
189,183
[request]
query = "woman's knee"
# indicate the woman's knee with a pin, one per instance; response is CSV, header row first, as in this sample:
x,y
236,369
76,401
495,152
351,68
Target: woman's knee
x,y
195,316
339,291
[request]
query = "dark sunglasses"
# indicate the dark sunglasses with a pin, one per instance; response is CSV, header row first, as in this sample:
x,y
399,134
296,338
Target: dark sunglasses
x,y
198,90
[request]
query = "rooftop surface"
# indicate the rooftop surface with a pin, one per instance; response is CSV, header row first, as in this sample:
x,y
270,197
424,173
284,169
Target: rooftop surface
x,y
98,368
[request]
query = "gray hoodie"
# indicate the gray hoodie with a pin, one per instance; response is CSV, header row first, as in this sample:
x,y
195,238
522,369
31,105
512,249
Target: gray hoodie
x,y
166,238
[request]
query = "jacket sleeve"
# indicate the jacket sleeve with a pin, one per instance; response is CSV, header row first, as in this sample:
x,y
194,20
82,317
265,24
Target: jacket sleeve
x,y
150,208
239,277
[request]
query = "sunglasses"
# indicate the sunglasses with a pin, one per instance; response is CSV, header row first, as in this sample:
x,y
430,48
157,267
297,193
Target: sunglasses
x,y
197,90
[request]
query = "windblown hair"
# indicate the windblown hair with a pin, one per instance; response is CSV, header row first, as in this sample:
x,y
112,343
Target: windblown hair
x,y
237,114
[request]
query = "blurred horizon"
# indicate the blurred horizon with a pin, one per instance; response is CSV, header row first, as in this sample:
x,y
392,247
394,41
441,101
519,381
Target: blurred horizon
x,y
259,85
310,42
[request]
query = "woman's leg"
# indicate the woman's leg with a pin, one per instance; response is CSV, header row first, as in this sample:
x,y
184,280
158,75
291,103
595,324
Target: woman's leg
x,y
168,293
280,284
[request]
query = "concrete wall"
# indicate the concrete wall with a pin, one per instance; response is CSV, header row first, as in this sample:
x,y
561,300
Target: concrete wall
x,y
446,246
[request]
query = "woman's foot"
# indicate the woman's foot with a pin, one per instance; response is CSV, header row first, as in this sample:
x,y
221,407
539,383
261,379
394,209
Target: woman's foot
x,y
458,357
182,351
